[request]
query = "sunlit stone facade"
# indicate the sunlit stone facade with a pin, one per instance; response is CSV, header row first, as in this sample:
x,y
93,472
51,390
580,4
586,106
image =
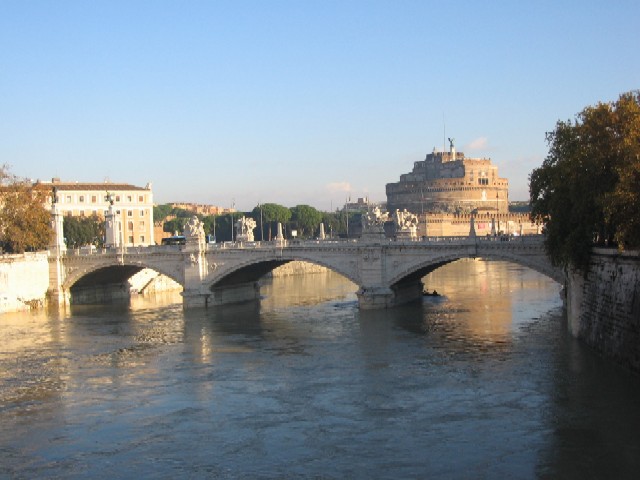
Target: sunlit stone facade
x,y
450,182
134,206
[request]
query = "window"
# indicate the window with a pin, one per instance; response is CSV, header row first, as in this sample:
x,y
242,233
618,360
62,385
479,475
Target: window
x,y
68,198
117,198
141,238
141,199
129,198
131,239
130,226
129,213
142,213
82,213
141,223
94,198
81,199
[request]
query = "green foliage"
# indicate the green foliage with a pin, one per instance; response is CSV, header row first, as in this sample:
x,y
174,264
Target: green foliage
x,y
175,225
160,212
332,223
588,188
272,214
80,231
306,218
25,223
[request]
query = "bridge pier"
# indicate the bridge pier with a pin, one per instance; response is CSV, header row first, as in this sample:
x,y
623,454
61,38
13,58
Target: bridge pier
x,y
223,295
57,297
240,292
370,298
194,299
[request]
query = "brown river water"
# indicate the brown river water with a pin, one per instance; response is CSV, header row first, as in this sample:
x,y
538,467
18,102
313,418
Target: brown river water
x,y
482,381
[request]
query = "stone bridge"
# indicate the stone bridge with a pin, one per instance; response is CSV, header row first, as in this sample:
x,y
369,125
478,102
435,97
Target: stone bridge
x,y
386,272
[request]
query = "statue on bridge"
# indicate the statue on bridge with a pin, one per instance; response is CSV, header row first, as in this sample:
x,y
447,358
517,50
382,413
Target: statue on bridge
x,y
244,229
406,224
373,221
194,233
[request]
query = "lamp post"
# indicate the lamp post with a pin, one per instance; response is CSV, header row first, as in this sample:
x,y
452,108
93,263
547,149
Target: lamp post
x,y
346,209
261,224
233,206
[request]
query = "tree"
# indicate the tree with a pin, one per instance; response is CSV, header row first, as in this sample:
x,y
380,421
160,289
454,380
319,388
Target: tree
x,y
587,190
175,225
160,212
79,231
25,223
272,213
307,219
331,222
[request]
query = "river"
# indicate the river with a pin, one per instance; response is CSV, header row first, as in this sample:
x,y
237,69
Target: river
x,y
482,381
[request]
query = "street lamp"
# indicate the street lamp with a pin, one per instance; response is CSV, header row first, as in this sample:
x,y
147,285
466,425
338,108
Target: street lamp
x,y
261,224
233,206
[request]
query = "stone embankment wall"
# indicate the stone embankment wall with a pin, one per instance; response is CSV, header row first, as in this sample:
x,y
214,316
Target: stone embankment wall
x,y
24,281
297,268
603,309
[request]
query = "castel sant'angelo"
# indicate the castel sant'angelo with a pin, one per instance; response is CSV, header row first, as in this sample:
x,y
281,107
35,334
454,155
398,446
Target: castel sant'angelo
x,y
446,189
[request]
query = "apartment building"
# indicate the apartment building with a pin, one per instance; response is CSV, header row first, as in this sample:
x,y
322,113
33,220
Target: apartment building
x,y
133,204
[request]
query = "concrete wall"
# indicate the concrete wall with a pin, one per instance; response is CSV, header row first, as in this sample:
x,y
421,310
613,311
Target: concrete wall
x,y
24,280
603,309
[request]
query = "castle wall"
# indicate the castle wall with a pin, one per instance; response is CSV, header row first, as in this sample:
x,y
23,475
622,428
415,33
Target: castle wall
x,y
460,185
452,225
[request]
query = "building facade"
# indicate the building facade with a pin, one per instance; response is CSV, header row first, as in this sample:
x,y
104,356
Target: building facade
x,y
203,209
448,182
133,205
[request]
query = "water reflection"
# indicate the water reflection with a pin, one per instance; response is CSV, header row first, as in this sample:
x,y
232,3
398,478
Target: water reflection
x,y
481,382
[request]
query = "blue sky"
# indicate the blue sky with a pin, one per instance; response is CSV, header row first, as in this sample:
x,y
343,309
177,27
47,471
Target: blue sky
x,y
297,102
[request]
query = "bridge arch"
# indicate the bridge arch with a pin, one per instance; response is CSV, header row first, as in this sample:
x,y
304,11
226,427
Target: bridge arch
x,y
418,270
119,271
540,265
253,269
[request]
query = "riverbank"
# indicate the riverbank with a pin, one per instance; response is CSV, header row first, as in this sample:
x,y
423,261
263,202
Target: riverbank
x,y
24,281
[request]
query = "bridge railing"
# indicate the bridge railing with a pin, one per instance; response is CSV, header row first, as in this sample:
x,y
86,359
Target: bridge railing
x,y
85,251
512,238
327,243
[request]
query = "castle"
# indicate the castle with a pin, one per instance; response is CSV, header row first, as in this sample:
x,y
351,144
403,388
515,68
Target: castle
x,y
448,182
448,191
